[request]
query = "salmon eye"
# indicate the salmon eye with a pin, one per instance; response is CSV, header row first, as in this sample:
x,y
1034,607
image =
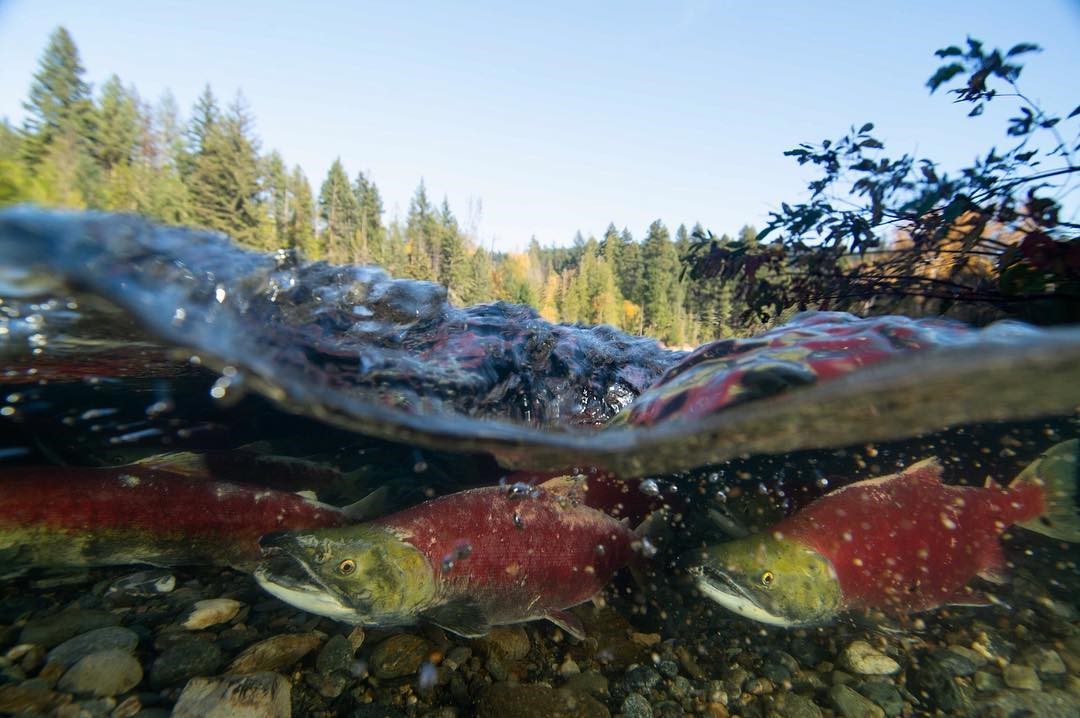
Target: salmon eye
x,y
767,579
346,567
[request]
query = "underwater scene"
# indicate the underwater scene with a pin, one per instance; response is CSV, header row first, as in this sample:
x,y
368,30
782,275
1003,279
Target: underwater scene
x,y
236,483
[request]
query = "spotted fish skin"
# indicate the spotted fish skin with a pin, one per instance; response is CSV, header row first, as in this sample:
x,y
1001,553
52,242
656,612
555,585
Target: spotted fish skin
x,y
62,516
519,551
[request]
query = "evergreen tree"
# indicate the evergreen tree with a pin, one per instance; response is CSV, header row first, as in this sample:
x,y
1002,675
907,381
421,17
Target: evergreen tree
x,y
338,211
59,103
628,268
118,134
421,236
479,287
14,178
660,272
453,261
161,151
369,217
301,229
279,199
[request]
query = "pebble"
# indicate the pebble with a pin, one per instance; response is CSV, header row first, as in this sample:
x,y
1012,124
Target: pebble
x,y
275,653
457,657
977,659
1046,661
72,650
641,678
184,660
258,695
987,682
953,663
588,682
1022,677
851,704
885,695
399,655
636,705
569,667
211,612
862,658
104,673
335,655
1052,704
512,642
501,700
29,698
60,627
143,584
793,705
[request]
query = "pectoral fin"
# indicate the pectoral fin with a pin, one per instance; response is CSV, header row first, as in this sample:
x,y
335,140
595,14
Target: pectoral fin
x,y
461,616
568,622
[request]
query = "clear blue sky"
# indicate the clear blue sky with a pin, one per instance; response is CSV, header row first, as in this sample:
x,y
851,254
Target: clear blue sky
x,y
561,116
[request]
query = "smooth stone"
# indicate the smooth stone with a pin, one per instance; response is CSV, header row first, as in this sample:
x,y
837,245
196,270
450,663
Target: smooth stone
x,y
72,650
143,584
60,627
335,655
885,695
986,682
29,698
793,705
641,678
275,653
1051,703
501,700
588,682
194,657
211,612
1045,661
668,669
862,658
512,642
636,705
1021,677
569,667
457,657
327,685
935,687
953,663
104,673
852,704
976,658
258,695
399,655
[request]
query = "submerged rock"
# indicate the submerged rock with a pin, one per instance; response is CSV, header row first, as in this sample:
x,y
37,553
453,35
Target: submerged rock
x,y
103,673
111,637
275,653
860,657
210,612
259,695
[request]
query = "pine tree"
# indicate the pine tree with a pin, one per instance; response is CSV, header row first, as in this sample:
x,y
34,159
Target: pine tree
x,y
628,268
421,236
14,176
338,211
118,131
279,199
300,233
369,217
453,261
161,151
660,270
479,287
59,129
59,103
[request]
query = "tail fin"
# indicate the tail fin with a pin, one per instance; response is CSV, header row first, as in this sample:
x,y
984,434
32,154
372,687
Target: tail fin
x,y
1057,471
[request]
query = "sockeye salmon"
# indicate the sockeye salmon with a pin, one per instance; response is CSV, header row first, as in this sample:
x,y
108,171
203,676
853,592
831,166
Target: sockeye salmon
x,y
901,543
62,516
466,561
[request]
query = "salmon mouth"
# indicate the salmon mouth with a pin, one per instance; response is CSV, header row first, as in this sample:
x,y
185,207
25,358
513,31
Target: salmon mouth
x,y
721,587
288,577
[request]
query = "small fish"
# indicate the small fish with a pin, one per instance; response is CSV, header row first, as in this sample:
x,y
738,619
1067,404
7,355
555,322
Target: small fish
x,y
898,544
466,561
64,516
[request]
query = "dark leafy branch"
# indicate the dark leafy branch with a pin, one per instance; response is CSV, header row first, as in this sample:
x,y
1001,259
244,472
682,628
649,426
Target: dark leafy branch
x,y
889,234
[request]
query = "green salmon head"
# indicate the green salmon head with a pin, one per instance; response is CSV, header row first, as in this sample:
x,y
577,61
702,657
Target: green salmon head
x,y
769,579
358,574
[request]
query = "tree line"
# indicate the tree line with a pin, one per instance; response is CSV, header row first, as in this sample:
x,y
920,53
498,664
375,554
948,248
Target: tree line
x,y
115,151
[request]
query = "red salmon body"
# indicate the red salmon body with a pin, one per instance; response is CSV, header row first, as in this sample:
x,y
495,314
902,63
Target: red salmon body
x,y
908,542
59,516
519,551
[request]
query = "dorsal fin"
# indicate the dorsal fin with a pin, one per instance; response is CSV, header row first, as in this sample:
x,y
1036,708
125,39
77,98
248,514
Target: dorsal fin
x,y
570,487
185,463
929,468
